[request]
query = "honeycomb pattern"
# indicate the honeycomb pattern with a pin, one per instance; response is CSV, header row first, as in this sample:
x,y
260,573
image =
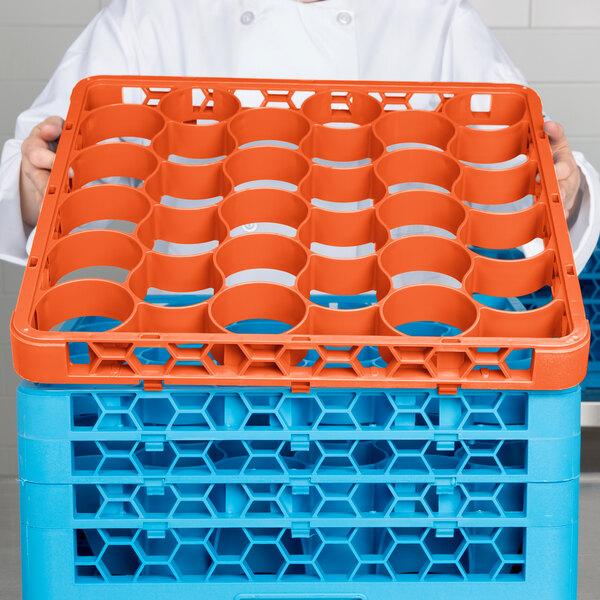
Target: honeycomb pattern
x,y
213,484
276,409
325,554
299,501
274,458
246,204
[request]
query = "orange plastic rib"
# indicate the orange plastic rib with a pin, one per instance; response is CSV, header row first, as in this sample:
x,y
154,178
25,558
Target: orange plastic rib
x,y
261,195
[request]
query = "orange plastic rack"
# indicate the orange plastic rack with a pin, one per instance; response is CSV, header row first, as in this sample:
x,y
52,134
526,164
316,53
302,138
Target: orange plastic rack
x,y
416,146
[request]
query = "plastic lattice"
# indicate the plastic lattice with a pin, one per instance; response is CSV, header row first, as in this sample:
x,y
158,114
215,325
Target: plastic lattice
x,y
262,195
228,490
332,554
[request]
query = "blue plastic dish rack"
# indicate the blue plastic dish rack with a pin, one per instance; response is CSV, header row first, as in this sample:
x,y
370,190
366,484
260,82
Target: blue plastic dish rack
x,y
234,493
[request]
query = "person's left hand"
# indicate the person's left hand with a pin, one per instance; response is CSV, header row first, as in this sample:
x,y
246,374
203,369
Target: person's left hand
x,y
567,171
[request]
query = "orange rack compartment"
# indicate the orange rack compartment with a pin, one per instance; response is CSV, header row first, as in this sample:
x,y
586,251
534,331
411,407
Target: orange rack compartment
x,y
344,169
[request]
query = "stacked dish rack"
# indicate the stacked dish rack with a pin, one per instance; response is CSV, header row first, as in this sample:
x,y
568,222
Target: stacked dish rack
x,y
277,349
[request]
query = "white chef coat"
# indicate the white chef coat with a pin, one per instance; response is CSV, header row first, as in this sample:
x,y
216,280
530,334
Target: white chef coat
x,y
408,40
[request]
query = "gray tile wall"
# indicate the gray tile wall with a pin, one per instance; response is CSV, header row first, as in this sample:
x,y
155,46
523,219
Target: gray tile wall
x,y
555,43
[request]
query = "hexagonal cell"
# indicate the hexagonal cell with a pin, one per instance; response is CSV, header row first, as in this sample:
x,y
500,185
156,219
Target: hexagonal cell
x,y
190,401
229,573
446,504
151,461
88,542
372,543
192,535
408,560
301,572
192,490
446,462
336,420
85,411
480,534
228,455
228,500
229,544
337,508
152,356
156,502
300,550
423,101
486,420
156,574
372,572
120,560
337,559
87,572
335,534
263,420
116,422
86,456
481,559
335,457
299,505
264,534
192,561
370,456
511,497
190,420
265,559
443,547
372,410
153,412
521,358
373,499
339,400
87,499
118,510
482,508
263,456
299,411
445,572
410,500
156,548
512,455
482,400
116,401
227,411
513,409
262,400
510,540
445,412
409,457
191,457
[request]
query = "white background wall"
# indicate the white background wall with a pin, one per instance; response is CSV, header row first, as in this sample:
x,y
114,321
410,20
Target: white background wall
x,y
556,43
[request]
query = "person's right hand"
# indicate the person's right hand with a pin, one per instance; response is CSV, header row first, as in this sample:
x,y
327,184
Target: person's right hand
x,y
38,153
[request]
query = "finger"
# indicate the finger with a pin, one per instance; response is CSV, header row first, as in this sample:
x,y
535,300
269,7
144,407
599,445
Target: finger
x,y
563,169
555,131
42,158
39,179
51,129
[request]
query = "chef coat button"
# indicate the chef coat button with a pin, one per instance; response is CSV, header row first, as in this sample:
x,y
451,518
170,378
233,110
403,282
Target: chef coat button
x,y
344,18
247,18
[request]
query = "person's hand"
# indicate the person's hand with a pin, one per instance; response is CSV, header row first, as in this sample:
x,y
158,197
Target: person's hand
x,y
567,171
38,153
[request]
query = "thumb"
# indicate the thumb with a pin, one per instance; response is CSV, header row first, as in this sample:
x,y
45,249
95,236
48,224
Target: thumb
x,y
555,132
51,129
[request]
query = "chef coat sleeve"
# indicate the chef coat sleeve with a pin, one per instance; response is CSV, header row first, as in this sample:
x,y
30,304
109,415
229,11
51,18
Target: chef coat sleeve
x,y
104,47
473,54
